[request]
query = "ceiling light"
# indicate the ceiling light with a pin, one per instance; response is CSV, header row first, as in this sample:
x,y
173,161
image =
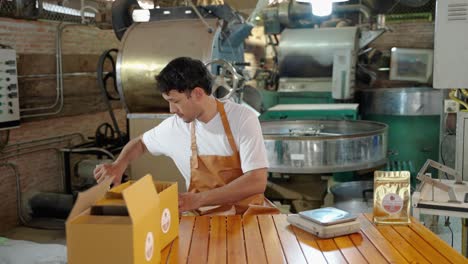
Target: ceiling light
x,y
141,15
321,7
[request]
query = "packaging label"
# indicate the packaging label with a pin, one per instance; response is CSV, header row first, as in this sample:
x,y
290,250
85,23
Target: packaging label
x,y
392,203
166,220
149,246
297,156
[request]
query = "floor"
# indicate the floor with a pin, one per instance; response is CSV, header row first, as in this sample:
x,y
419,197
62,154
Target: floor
x,y
37,235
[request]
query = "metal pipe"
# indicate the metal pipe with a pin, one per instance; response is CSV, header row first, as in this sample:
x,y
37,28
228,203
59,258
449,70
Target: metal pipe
x,y
59,157
210,29
16,152
18,190
18,183
82,11
45,141
58,54
352,8
77,150
70,74
57,65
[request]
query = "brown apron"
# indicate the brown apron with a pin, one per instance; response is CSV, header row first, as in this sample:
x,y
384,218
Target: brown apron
x,y
210,171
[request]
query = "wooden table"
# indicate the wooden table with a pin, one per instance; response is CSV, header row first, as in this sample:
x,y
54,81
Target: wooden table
x,y
270,239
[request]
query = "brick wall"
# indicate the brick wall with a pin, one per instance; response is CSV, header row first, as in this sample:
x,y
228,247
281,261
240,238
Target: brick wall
x,y
38,37
417,35
34,42
407,35
84,110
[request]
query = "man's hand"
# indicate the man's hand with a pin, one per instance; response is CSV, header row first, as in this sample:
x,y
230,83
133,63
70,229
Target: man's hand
x,y
134,149
109,170
189,201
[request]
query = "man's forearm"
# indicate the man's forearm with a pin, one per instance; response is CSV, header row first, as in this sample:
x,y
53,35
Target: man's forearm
x,y
251,183
132,150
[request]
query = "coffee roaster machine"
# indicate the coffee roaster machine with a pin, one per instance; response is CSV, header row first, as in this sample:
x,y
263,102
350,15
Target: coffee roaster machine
x,y
311,121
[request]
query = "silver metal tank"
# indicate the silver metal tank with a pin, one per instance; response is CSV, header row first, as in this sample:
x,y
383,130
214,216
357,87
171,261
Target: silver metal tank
x,y
306,58
324,146
144,51
411,101
309,52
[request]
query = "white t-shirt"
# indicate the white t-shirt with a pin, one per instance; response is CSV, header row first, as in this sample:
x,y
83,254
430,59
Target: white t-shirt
x,y
172,138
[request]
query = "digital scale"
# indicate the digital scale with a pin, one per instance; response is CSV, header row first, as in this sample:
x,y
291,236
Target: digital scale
x,y
326,222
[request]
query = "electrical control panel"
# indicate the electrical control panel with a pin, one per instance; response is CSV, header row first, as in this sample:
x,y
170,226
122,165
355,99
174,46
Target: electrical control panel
x,y
9,103
450,52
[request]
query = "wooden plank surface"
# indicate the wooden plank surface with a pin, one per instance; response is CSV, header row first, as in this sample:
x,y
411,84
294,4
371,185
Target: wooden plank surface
x,y
309,246
271,241
291,248
386,249
399,243
199,244
217,247
185,237
173,256
330,251
367,249
349,251
422,247
166,252
253,240
235,241
437,243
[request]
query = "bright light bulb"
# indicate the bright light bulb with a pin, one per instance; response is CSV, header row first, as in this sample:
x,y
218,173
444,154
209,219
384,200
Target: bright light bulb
x,y
141,15
322,7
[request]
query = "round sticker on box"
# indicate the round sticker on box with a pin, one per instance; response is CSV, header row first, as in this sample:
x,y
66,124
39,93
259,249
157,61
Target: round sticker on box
x,y
165,220
392,203
149,246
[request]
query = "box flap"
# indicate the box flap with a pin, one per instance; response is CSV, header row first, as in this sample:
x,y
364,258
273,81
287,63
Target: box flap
x,y
116,192
163,185
141,197
87,198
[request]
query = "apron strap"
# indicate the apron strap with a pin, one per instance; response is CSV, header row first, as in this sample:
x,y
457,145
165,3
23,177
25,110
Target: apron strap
x,y
227,127
193,147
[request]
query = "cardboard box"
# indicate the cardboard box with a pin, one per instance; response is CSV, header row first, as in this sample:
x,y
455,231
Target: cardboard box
x,y
169,207
132,238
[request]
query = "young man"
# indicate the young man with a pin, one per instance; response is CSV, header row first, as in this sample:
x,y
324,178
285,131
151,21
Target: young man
x,y
218,147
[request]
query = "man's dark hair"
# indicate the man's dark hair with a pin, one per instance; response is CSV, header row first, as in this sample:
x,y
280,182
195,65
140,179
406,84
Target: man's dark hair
x,y
184,74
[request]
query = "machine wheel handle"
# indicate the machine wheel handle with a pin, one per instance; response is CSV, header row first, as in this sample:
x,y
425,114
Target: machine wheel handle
x,y
227,72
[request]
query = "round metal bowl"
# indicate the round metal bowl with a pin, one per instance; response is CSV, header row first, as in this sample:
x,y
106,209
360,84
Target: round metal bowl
x,y
324,146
